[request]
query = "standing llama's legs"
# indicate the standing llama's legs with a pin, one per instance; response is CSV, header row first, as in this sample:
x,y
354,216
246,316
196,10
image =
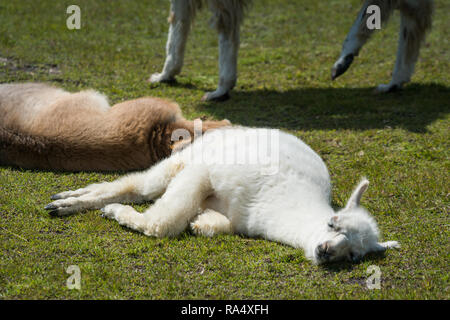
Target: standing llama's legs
x,y
135,187
227,19
181,15
170,214
411,36
416,19
358,35
210,223
228,54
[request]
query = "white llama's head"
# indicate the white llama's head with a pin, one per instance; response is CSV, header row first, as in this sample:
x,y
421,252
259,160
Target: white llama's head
x,y
351,233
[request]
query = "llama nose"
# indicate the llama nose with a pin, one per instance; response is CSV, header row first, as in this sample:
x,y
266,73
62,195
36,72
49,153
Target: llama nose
x,y
323,248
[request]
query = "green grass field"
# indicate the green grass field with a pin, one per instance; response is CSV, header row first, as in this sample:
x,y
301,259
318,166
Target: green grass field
x,y
399,141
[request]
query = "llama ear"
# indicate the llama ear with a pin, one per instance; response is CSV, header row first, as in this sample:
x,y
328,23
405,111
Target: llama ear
x,y
355,198
383,246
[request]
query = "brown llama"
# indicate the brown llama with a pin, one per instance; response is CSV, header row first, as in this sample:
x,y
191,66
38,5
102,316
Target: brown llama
x,y
44,127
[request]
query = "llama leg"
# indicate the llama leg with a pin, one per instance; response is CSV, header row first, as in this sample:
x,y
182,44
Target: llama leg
x,y
228,53
358,35
125,216
210,223
228,21
411,36
170,214
137,187
181,15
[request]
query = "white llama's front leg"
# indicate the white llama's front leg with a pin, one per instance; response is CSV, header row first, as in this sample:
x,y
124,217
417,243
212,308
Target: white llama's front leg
x,y
228,55
136,187
407,55
210,223
170,214
181,15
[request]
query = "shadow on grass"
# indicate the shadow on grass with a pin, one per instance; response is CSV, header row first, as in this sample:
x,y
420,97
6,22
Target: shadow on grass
x,y
61,172
412,109
339,266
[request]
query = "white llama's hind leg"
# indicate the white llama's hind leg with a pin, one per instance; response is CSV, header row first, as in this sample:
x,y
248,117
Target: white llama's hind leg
x,y
125,216
136,187
383,246
407,55
170,214
181,15
210,223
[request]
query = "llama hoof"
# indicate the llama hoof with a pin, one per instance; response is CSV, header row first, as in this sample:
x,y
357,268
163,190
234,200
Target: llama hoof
x,y
52,210
387,88
54,213
159,78
50,206
66,206
216,97
341,66
56,197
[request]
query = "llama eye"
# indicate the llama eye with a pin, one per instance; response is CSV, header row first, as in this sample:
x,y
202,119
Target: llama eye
x,y
331,225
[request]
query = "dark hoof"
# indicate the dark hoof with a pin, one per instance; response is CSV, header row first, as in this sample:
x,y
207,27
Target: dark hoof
x,y
221,98
55,197
393,88
50,207
340,68
167,81
54,213
170,81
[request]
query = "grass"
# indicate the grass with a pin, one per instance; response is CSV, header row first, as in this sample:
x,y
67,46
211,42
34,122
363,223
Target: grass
x,y
399,141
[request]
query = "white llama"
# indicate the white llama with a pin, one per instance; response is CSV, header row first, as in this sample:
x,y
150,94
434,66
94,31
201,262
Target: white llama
x,y
213,196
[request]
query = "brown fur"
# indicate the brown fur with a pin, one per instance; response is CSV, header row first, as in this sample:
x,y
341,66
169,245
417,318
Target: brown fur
x,y
74,132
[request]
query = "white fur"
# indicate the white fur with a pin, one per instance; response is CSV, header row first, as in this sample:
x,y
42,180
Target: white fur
x,y
227,18
291,206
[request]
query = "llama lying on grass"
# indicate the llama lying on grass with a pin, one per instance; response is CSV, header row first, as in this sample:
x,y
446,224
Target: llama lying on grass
x,y
199,186
45,127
